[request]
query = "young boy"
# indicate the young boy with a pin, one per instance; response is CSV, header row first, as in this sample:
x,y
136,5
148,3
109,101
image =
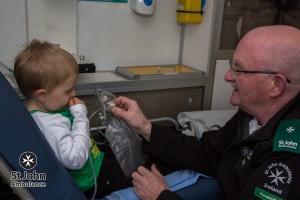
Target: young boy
x,y
46,76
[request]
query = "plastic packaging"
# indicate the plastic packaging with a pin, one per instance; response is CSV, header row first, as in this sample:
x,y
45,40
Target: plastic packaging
x,y
126,146
124,143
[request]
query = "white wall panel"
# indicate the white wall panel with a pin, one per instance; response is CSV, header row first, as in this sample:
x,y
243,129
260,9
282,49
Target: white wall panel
x,y
12,29
197,40
54,21
111,35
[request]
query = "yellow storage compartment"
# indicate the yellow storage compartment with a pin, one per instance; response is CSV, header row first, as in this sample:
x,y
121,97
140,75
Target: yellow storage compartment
x,y
189,11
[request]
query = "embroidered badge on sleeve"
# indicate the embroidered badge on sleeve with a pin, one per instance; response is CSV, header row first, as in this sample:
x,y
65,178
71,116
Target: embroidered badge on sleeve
x,y
275,182
287,136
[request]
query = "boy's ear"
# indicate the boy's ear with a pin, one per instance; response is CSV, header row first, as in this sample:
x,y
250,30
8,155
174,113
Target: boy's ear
x,y
40,95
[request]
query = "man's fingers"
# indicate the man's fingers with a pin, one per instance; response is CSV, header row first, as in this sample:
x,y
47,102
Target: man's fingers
x,y
143,171
155,171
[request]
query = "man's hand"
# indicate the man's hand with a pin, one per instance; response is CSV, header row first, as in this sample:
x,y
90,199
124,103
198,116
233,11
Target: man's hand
x,y
149,184
130,111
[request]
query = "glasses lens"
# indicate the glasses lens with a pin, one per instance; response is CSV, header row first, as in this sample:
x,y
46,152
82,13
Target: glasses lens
x,y
232,71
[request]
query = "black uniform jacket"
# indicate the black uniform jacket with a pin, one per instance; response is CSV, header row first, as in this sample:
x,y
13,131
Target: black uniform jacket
x,y
263,165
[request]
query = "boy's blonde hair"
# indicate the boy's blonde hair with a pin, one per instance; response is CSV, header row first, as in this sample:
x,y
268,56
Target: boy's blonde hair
x,y
42,65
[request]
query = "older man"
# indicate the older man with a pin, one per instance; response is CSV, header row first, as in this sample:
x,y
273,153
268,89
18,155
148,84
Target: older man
x,y
256,154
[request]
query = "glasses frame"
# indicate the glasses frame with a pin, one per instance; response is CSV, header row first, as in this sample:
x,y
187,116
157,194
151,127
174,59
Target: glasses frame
x,y
255,71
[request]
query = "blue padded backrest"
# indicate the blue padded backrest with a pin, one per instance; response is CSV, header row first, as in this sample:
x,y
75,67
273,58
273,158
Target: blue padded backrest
x,y
19,134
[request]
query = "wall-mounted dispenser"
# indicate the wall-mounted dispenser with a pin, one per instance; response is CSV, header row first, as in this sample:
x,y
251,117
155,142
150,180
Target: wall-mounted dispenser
x,y
144,7
190,11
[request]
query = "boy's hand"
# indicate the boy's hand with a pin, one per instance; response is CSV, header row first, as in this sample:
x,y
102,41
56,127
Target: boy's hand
x,y
74,100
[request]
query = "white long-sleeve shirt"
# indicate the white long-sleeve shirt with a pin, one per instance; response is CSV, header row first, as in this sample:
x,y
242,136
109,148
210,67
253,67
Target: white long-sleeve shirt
x,y
69,141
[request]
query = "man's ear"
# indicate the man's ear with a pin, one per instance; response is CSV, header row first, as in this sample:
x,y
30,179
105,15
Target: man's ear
x,y
40,95
279,85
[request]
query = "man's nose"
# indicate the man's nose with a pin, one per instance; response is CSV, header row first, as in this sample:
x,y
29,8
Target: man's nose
x,y
228,76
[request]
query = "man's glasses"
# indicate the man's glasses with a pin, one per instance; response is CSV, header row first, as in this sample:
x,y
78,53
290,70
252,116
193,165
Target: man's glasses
x,y
231,63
